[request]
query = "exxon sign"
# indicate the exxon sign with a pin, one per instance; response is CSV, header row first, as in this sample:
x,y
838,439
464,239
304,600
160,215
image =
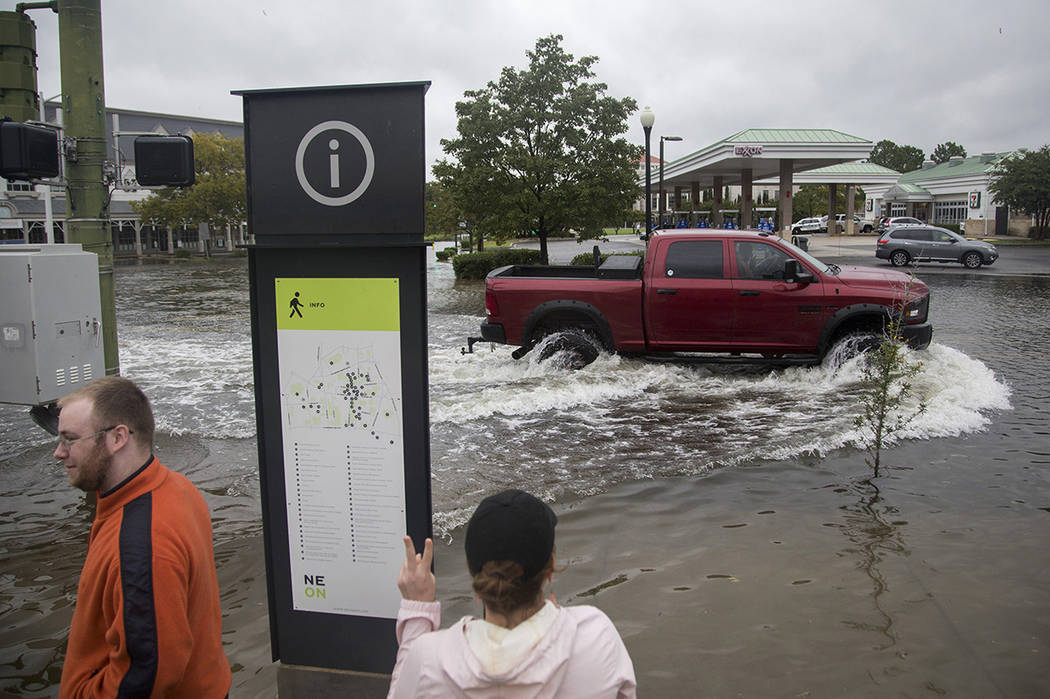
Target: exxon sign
x,y
747,151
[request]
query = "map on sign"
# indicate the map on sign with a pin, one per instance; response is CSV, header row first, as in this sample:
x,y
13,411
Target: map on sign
x,y
344,389
339,356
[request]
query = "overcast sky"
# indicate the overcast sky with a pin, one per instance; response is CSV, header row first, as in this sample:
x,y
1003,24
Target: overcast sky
x,y
919,72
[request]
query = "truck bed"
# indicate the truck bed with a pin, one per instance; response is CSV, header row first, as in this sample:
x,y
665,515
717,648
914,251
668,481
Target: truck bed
x,y
615,267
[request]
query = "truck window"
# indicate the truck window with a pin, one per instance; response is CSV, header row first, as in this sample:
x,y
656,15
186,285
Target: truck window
x,y
694,259
759,260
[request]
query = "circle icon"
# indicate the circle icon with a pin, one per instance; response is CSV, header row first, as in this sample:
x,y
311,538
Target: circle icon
x,y
300,153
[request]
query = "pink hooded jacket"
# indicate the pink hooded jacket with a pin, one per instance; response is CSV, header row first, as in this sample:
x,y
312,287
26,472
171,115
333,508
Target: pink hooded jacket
x,y
581,655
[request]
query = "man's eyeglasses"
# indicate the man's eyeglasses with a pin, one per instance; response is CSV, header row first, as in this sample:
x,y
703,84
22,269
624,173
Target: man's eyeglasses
x,y
67,443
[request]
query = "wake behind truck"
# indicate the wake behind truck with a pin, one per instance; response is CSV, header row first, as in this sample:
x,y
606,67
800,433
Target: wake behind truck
x,y
734,295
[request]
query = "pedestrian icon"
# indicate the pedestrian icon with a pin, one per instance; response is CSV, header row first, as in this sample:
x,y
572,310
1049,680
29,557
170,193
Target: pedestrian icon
x,y
295,305
334,161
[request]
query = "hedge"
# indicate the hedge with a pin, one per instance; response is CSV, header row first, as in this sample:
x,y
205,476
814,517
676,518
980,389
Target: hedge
x,y
476,265
587,258
443,255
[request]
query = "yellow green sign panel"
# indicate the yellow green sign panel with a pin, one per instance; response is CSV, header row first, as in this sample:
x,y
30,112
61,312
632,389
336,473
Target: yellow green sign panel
x,y
309,303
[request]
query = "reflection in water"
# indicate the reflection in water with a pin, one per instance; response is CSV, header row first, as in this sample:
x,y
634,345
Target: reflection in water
x,y
869,525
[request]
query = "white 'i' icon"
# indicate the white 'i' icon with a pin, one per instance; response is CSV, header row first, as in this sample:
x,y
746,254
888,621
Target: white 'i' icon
x,y
333,163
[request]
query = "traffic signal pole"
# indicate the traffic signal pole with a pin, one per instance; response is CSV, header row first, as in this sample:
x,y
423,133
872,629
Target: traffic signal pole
x,y
84,115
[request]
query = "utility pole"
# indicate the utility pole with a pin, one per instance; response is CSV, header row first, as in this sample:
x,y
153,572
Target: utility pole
x,y
84,118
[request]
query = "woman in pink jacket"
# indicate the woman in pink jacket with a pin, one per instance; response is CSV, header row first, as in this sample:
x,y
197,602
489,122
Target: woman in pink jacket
x,y
525,646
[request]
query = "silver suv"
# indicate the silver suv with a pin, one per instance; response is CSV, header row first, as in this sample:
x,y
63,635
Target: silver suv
x,y
903,244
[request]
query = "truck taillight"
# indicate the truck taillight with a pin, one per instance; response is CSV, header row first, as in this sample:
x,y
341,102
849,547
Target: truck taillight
x,y
490,303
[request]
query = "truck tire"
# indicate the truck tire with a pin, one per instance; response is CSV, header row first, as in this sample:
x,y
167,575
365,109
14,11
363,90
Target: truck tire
x,y
849,345
572,349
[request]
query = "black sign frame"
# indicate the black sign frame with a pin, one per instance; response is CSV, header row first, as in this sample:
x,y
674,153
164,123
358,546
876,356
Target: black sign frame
x,y
355,240
310,638
328,164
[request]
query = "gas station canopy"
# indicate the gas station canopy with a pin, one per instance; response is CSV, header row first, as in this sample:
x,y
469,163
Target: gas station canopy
x,y
762,151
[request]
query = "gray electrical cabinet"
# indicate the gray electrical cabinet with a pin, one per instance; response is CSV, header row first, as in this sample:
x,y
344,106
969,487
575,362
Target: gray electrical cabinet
x,y
50,322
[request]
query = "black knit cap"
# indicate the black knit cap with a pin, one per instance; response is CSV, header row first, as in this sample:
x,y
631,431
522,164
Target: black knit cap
x,y
511,526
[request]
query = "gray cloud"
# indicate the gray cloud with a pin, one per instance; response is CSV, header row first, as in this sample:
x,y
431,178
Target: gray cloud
x,y
917,73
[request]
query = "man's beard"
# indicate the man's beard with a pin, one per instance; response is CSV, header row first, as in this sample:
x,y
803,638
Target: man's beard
x,y
93,470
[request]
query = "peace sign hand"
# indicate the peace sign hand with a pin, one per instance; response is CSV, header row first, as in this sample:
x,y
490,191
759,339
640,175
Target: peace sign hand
x,y
415,580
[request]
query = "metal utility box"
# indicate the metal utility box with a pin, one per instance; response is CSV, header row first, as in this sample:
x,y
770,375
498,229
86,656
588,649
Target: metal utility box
x,y
50,322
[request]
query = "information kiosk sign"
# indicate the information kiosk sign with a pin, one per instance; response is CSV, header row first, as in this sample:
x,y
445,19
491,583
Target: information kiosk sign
x,y
338,295
328,163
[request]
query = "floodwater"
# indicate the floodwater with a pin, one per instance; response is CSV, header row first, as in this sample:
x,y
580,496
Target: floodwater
x,y
658,438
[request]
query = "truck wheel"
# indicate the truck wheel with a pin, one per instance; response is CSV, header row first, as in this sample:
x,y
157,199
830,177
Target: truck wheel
x,y
900,258
571,349
972,260
849,345
867,230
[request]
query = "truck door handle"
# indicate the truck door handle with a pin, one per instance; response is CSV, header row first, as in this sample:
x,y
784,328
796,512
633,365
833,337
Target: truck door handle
x,y
667,291
750,292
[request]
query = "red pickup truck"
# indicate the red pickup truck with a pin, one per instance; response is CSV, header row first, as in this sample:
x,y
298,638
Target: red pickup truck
x,y
734,293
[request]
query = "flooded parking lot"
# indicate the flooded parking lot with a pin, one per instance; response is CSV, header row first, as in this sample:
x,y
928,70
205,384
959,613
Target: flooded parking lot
x,y
658,472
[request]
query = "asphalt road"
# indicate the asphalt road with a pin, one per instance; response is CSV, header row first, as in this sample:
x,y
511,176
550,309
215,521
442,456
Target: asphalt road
x,y
860,250
840,250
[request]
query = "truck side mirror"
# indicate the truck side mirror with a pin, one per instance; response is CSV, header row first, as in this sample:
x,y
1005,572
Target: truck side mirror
x,y
793,274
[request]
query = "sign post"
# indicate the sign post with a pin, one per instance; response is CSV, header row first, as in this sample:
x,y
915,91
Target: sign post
x,y
338,296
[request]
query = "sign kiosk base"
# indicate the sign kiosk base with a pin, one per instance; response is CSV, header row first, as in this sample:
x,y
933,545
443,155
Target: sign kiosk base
x,y
298,682
339,343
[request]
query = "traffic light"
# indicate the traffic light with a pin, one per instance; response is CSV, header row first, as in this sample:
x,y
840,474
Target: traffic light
x,y
164,161
27,151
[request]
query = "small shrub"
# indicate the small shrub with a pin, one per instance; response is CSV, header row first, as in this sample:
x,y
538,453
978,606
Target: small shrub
x,y
183,254
444,255
587,258
477,265
886,383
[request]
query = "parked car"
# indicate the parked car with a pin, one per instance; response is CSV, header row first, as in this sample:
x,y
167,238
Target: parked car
x,y
887,221
903,244
860,225
806,225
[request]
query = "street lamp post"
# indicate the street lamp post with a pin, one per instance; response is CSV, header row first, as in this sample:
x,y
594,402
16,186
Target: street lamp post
x,y
647,120
662,139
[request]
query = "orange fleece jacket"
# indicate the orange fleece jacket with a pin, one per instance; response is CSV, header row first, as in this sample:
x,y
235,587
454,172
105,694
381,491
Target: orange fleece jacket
x,y
148,621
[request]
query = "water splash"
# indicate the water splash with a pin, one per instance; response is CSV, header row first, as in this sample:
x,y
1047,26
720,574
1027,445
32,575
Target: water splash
x,y
497,421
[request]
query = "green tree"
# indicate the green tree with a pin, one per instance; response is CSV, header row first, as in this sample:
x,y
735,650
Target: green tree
x,y
944,152
216,198
1022,181
812,200
442,214
541,150
899,158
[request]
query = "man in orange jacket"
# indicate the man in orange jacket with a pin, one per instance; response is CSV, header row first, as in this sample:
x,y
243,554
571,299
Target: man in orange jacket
x,y
147,621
